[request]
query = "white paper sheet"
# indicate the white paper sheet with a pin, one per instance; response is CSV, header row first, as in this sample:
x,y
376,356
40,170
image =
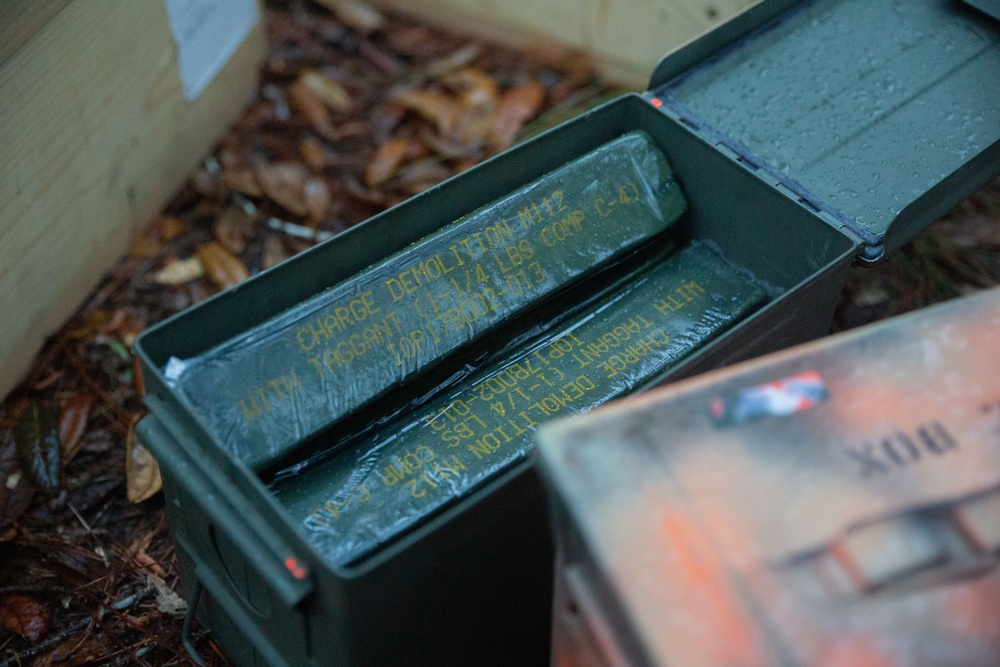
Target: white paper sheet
x,y
207,33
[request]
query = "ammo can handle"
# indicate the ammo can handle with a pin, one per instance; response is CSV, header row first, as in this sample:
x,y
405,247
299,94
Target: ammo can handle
x,y
234,610
194,597
276,564
265,552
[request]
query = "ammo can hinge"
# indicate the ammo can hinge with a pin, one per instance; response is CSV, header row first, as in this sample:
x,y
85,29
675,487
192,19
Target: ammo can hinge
x,y
872,246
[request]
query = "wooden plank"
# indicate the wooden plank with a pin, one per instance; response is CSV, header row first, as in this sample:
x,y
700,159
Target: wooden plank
x,y
20,19
625,37
97,139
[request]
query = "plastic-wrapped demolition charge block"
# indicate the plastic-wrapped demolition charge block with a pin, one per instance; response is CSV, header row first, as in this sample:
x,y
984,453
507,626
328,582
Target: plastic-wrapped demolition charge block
x,y
358,499
836,504
265,390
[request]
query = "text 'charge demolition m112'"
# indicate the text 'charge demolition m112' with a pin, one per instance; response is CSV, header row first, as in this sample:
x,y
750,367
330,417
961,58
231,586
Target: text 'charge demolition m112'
x,y
267,389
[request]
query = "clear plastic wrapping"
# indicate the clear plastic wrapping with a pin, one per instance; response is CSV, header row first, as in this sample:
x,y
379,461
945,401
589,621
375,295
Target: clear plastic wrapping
x,y
358,499
261,393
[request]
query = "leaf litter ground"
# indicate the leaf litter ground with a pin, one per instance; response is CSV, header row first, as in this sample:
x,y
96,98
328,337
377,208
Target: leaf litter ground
x,y
356,111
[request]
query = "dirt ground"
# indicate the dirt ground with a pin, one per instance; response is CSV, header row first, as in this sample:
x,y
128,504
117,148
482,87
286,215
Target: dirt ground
x,y
357,111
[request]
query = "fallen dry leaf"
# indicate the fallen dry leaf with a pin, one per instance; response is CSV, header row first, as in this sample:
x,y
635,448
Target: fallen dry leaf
x,y
144,247
413,40
360,192
118,322
48,381
465,163
143,558
11,412
312,154
15,490
577,66
205,183
475,123
242,180
36,437
416,187
73,418
445,146
418,176
317,198
355,14
386,161
122,325
24,616
283,183
417,150
331,92
142,472
273,253
477,102
517,106
167,600
973,229
352,129
383,119
233,229
305,101
278,99
91,322
436,107
179,271
453,61
198,291
381,58
474,83
221,266
74,653
170,227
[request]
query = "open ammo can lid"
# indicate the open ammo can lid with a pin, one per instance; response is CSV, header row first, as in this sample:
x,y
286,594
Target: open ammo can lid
x,y
991,7
878,114
834,504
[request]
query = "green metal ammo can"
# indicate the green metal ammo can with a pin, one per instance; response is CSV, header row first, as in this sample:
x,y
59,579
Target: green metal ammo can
x,y
833,504
805,136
